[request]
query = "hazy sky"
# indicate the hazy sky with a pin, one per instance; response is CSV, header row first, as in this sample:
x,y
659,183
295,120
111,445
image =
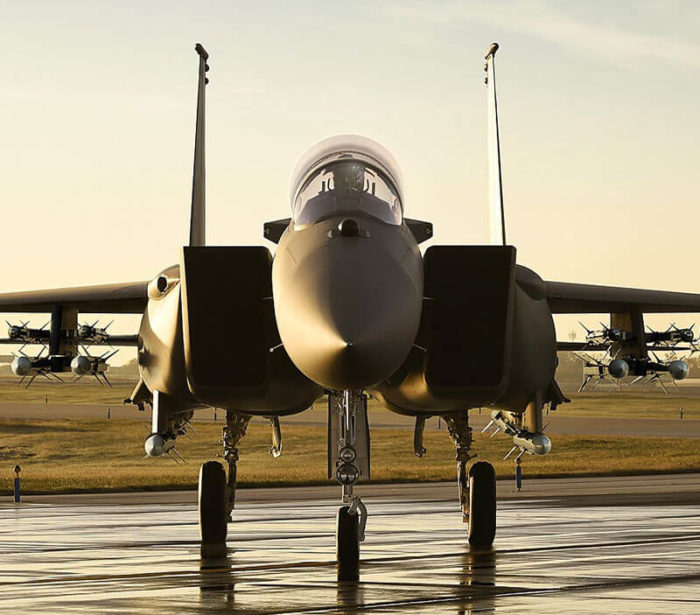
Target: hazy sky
x,y
600,127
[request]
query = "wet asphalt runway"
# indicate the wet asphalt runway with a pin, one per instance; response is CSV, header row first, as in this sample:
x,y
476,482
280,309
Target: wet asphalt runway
x,y
555,553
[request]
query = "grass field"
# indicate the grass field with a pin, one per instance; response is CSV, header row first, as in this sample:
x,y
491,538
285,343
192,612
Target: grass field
x,y
85,391
100,455
626,403
632,403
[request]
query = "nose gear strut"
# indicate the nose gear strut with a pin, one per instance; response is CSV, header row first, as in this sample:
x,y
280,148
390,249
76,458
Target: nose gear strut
x,y
348,462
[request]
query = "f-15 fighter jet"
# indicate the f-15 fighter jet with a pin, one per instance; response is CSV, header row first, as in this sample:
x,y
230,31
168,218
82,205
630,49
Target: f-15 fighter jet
x,y
348,307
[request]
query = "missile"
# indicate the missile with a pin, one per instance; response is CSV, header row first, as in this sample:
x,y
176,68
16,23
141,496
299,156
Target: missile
x,y
678,369
81,366
87,365
528,442
24,335
156,445
21,366
533,443
684,335
618,368
92,334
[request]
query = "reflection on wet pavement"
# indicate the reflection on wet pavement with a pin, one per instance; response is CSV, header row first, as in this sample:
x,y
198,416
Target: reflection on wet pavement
x,y
280,559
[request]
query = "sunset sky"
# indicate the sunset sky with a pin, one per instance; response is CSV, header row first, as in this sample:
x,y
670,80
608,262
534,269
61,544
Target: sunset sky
x,y
600,128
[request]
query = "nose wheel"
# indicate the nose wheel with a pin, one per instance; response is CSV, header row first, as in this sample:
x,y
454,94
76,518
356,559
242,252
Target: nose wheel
x,y
349,533
347,545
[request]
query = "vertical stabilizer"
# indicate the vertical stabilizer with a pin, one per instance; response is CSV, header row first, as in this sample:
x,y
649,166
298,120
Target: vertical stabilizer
x,y
198,214
497,218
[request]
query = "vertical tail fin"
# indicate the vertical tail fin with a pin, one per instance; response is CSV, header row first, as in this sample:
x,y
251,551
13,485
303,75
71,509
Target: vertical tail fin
x,y
198,213
497,216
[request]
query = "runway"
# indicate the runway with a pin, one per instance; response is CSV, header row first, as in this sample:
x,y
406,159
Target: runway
x,y
566,553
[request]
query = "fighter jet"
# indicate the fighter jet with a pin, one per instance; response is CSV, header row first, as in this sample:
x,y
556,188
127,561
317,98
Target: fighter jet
x,y
348,307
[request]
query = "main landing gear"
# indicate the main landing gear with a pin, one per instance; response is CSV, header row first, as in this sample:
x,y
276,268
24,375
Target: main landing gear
x,y
348,460
217,493
477,486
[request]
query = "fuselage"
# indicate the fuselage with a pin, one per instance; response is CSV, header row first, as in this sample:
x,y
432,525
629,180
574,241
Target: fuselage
x,y
347,287
348,293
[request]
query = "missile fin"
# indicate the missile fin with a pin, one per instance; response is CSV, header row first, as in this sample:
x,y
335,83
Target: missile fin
x,y
510,452
485,429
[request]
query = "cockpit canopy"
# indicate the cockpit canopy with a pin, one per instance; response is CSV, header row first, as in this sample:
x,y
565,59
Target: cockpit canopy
x,y
345,175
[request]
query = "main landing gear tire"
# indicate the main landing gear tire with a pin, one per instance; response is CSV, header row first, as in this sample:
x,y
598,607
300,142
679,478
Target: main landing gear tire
x,y
212,503
348,545
482,505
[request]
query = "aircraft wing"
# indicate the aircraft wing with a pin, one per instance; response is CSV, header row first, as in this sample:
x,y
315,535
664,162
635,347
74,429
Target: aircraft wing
x,y
586,346
567,298
124,298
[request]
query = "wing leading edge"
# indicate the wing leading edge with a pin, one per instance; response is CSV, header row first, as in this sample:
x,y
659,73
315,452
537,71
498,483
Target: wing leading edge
x,y
563,298
123,298
567,298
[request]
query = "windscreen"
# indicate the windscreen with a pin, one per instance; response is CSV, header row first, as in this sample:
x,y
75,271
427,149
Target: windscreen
x,y
347,183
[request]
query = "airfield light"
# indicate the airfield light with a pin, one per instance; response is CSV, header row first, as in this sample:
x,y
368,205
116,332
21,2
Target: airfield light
x,y
17,470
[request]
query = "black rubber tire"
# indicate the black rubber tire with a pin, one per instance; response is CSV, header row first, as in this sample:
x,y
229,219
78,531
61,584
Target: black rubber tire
x,y
347,544
482,505
212,503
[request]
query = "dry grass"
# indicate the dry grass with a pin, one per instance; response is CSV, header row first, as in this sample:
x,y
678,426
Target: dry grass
x,y
626,403
85,391
632,403
101,455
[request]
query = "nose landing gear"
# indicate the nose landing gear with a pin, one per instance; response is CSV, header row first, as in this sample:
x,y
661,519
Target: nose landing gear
x,y
476,487
348,461
350,532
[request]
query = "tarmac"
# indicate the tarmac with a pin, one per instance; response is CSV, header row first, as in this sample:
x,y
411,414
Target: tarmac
x,y
593,545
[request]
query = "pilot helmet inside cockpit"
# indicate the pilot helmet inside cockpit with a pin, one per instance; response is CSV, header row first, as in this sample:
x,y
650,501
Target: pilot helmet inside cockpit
x,y
346,174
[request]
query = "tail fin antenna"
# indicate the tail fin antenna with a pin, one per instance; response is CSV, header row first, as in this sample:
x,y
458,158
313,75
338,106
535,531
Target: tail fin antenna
x,y
198,213
497,216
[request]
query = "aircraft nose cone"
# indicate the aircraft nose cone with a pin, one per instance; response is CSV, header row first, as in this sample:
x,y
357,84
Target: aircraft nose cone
x,y
349,322
359,343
